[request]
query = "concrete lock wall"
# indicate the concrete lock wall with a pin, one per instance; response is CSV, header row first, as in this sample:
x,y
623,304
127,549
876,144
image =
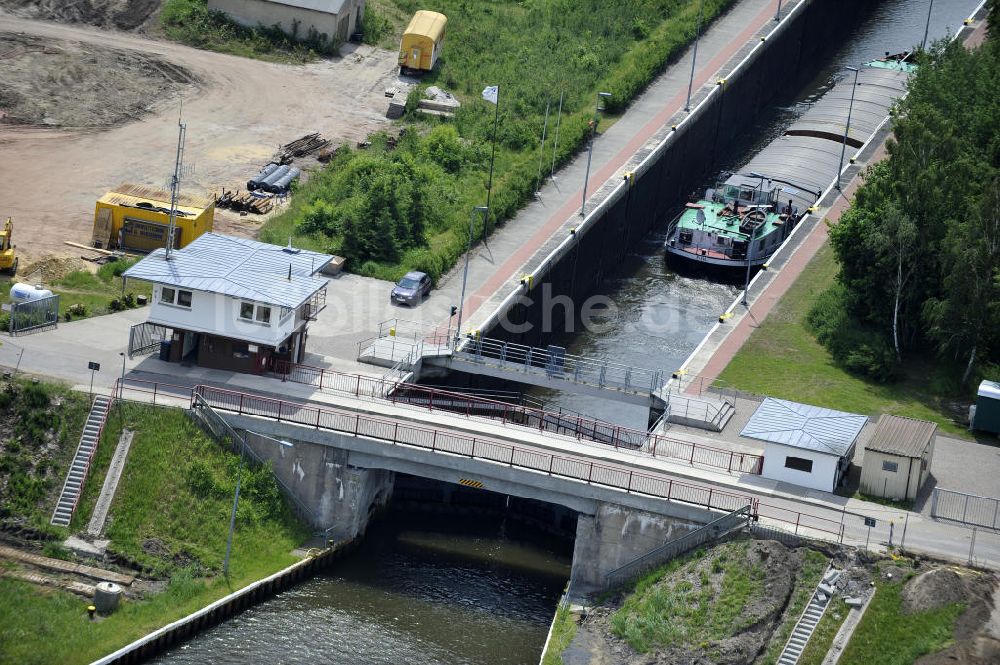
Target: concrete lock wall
x,y
684,161
615,536
341,497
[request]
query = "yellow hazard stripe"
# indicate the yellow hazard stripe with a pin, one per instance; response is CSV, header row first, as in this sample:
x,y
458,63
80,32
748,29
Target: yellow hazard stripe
x,y
470,483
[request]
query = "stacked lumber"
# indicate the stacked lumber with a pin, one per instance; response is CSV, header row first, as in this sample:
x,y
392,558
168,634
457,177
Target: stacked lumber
x,y
301,147
245,202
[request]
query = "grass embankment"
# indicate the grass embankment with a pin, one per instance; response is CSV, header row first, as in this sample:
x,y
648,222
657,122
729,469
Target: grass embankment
x,y
40,425
171,516
813,565
888,636
190,22
83,293
391,209
783,359
563,631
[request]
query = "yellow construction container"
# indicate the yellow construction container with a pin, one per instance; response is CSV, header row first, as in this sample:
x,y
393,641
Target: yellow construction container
x,y
422,42
136,218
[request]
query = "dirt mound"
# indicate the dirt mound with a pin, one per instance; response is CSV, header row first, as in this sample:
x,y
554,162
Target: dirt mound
x,y
71,84
977,629
121,14
933,589
50,270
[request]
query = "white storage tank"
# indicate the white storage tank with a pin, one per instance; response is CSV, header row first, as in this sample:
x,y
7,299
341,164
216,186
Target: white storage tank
x,y
22,292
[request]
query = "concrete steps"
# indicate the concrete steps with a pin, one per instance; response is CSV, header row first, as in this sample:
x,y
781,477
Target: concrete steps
x,y
77,474
703,412
807,622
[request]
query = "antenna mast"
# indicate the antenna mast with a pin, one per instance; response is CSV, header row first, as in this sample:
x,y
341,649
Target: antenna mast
x,y
175,183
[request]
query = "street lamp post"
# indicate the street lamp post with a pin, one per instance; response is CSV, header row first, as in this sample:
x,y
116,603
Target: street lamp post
x,y
236,501
465,274
590,152
777,13
847,128
121,382
750,238
694,56
927,26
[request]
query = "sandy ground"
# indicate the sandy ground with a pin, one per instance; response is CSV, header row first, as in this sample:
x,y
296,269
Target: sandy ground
x,y
238,111
121,14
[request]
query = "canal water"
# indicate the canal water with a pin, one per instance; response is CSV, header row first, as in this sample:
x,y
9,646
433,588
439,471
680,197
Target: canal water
x,y
661,315
447,589
420,589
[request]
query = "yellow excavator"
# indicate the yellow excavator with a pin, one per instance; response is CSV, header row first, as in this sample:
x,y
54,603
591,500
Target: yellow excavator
x,y
8,259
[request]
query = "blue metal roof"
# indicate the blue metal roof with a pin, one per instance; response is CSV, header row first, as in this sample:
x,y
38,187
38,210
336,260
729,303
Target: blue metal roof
x,y
237,267
804,426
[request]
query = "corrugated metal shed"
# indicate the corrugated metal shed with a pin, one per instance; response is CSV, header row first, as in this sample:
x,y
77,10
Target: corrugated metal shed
x,y
237,267
905,437
804,426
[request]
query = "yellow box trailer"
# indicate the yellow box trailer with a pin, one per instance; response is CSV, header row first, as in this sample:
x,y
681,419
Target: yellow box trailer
x,y
136,218
422,42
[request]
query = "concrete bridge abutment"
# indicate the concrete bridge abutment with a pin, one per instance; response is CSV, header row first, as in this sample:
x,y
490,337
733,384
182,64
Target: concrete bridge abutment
x,y
341,497
613,536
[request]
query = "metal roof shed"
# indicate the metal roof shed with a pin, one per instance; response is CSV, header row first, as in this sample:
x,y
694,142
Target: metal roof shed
x,y
806,445
987,413
898,457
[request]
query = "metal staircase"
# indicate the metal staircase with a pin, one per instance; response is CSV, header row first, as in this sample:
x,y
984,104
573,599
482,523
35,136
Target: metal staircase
x,y
808,621
77,474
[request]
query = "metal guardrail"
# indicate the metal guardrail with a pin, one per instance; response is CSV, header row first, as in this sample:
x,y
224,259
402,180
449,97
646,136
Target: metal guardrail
x,y
674,548
145,338
555,362
34,314
966,508
580,427
449,442
697,409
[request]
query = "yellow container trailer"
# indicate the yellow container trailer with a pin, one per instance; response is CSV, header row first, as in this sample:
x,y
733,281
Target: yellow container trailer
x,y
136,218
422,42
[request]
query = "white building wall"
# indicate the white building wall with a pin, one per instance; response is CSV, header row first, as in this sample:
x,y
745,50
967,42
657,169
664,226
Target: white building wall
x,y
252,13
822,476
217,314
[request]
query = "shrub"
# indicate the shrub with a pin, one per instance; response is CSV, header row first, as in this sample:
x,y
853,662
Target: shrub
x,y
855,347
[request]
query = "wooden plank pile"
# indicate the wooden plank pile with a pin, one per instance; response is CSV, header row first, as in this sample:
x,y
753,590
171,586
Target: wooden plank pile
x,y
239,201
301,147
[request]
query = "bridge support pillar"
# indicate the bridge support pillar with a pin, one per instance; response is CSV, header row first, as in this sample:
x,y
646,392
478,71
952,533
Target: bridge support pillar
x,y
341,497
614,536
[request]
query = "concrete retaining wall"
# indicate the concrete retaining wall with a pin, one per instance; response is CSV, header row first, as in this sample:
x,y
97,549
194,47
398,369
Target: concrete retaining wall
x,y
673,164
222,609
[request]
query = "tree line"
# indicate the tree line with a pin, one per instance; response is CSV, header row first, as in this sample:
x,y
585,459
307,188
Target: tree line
x,y
919,249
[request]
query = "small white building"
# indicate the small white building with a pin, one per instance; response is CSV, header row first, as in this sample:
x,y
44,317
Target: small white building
x,y
806,445
898,458
234,303
328,20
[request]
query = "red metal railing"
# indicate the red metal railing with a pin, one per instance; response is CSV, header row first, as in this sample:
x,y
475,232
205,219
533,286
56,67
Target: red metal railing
x,y
801,521
580,427
458,443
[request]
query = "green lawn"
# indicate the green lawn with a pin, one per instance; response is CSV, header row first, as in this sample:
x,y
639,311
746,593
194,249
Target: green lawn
x,y
888,637
783,359
95,291
171,516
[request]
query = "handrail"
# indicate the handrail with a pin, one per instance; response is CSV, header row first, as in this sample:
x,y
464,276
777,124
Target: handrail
x,y
580,427
579,369
458,443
